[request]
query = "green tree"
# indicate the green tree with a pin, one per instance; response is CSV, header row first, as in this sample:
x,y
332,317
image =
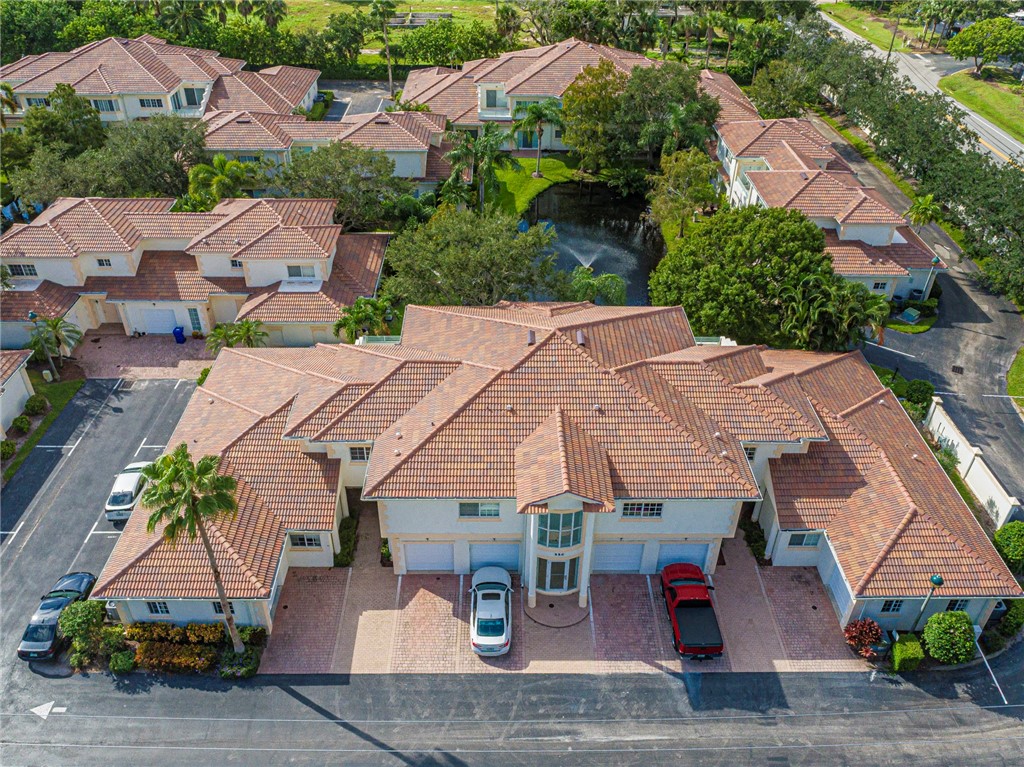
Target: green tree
x,y
381,12
249,333
32,26
483,154
581,284
733,29
5,277
221,177
271,11
985,41
763,42
184,497
56,334
507,23
687,27
782,89
1009,540
683,187
98,19
8,103
360,179
344,35
534,117
220,336
366,316
461,258
69,126
730,271
923,211
588,108
182,17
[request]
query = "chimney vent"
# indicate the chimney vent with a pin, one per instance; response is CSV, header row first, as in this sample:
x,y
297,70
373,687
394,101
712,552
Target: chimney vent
x,y
718,435
531,337
914,457
581,338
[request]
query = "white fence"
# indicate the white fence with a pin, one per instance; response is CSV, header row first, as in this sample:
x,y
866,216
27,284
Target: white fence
x,y
999,504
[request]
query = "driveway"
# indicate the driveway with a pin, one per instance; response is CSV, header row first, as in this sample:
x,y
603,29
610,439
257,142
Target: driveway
x,y
356,97
108,353
976,330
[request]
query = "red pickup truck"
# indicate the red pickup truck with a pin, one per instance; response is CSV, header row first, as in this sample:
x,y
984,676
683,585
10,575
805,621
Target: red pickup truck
x,y
695,632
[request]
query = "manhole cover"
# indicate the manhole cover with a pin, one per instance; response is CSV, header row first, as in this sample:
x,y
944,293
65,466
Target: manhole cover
x,y
958,369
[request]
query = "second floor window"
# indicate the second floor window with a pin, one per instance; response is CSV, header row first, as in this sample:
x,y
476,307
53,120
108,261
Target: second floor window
x,y
804,540
892,606
304,541
359,454
23,270
236,263
560,531
194,96
105,105
479,510
151,103
102,262
301,270
37,102
639,510
218,608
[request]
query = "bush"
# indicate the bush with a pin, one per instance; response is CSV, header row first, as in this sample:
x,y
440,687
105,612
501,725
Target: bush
x,y
992,641
155,632
1012,622
122,662
253,636
168,656
37,404
906,653
243,665
347,538
205,633
916,412
21,425
8,449
949,637
1009,540
111,640
79,660
81,623
202,376
920,392
754,536
860,635
927,308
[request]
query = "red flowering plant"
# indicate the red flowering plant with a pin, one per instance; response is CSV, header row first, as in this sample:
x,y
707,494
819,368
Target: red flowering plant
x,y
861,635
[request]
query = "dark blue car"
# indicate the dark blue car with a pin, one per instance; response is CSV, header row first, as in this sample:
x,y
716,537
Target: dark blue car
x,y
42,639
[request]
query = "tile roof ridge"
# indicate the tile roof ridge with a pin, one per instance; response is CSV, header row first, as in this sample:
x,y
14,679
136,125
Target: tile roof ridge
x,y
75,53
230,401
257,238
886,549
563,453
864,402
263,78
357,401
244,565
226,218
123,570
263,418
812,176
289,368
646,310
824,363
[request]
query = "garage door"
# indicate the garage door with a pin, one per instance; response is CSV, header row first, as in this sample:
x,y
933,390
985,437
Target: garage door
x,y
430,556
618,557
501,554
159,320
694,553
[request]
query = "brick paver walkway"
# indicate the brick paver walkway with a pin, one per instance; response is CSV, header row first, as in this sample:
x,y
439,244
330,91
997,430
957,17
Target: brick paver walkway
x,y
109,353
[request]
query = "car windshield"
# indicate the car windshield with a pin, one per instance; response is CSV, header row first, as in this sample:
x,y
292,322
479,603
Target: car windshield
x,y
120,499
686,582
490,627
39,633
481,587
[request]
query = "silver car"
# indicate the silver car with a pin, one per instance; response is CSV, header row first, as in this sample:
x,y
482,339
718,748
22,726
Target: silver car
x,y
490,618
128,486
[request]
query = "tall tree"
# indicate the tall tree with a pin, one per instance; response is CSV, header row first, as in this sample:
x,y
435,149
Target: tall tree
x,y
762,43
69,126
221,177
56,334
184,497
484,154
271,11
684,186
365,315
588,107
782,89
182,17
507,23
250,334
381,12
220,336
534,117
688,27
986,41
344,35
32,26
733,29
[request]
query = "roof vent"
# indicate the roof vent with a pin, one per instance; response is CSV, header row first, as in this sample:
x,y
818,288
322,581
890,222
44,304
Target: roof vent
x,y
238,241
243,120
762,123
718,435
508,408
581,338
381,121
597,407
531,337
723,454
211,400
398,434
914,457
803,175
398,452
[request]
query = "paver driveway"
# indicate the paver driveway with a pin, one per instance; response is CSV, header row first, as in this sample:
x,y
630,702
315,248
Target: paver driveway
x,y
108,353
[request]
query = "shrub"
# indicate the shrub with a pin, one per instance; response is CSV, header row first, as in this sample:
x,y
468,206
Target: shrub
x,y
168,656
860,635
155,632
916,412
992,641
949,637
81,623
111,640
920,392
906,653
8,449
36,405
347,538
21,424
202,376
1012,622
79,660
1009,540
927,308
754,536
385,548
243,665
205,633
253,636
122,662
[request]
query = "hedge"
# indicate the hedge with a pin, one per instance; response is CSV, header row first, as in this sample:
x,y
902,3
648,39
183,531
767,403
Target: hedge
x,y
7,449
1009,540
754,536
1012,622
21,424
81,623
949,637
169,656
122,662
907,653
243,665
206,633
37,404
155,632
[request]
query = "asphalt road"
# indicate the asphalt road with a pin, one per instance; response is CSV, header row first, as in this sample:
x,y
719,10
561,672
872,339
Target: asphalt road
x,y
356,97
924,71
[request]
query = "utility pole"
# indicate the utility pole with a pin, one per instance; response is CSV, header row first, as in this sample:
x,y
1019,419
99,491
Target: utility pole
x,y
892,42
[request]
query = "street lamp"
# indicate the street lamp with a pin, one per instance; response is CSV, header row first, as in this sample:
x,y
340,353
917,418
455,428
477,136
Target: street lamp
x,y
936,581
928,283
45,342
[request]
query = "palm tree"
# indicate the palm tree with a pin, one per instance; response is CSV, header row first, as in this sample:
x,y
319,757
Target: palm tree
x,y
219,8
805,305
271,11
688,26
220,336
221,178
923,211
8,103
534,117
663,31
185,497
708,23
371,316
249,333
455,192
483,154
183,17
381,12
57,334
245,8
733,29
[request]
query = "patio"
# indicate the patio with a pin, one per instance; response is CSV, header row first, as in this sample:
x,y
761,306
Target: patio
x,y
108,353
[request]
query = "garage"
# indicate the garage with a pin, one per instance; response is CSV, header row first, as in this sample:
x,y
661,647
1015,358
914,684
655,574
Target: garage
x,y
500,554
430,556
159,321
618,557
694,553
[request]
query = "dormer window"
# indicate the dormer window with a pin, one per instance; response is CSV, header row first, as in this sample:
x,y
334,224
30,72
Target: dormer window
x,y
491,99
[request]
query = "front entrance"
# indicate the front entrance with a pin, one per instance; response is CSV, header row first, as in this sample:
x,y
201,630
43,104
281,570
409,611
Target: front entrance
x,y
558,575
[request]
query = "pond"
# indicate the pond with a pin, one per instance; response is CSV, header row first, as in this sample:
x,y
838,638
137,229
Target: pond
x,y
599,228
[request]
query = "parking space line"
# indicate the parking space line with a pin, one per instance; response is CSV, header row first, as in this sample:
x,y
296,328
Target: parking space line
x,y
991,673
13,532
590,612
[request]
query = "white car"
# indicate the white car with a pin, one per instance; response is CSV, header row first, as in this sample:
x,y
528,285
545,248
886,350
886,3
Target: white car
x,y
490,618
128,486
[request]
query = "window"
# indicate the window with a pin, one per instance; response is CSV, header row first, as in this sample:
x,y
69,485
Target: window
x,y
194,96
808,540
37,102
559,531
23,270
158,608
491,99
558,133
236,264
176,101
957,604
246,158
892,606
105,105
193,317
750,452
879,286
218,610
479,510
303,270
103,262
642,510
152,104
304,541
359,454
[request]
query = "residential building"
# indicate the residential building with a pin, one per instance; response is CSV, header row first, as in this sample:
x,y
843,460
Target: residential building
x,y
130,79
15,387
413,141
135,263
560,440
497,89
733,101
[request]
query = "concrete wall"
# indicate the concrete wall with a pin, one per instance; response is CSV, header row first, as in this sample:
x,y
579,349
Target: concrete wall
x,y
16,390
409,164
15,335
873,234
322,557
63,271
268,271
211,265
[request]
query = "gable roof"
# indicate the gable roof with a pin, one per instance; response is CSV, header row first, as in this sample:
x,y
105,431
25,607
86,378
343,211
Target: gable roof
x,y
277,90
45,298
757,138
11,361
820,193
733,101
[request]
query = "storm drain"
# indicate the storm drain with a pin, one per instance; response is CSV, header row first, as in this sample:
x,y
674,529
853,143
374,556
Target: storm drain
x,y
958,369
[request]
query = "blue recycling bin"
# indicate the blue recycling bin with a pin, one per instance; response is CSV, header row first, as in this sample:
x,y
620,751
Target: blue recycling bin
x,y
179,334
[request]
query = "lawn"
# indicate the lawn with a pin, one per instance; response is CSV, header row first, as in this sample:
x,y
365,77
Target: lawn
x,y
1015,377
885,375
865,24
924,324
991,98
313,14
519,187
59,394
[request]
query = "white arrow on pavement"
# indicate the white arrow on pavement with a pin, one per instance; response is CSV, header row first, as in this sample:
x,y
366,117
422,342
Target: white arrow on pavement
x,y
43,711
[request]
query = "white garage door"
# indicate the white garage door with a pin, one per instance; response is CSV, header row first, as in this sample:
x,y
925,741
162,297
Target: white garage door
x,y
159,320
430,556
694,553
501,554
618,557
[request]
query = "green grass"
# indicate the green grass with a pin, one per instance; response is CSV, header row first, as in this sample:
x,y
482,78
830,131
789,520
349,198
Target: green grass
x,y
1015,376
519,187
313,14
59,394
991,98
898,386
865,24
923,325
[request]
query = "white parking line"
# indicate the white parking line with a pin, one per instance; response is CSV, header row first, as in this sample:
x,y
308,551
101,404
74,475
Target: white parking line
x,y
13,532
904,354
990,672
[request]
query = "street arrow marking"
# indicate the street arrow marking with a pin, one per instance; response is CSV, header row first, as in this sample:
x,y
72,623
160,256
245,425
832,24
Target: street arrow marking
x,y
43,711
59,709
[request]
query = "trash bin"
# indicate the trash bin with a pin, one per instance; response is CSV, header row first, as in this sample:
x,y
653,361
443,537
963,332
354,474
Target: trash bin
x,y
179,334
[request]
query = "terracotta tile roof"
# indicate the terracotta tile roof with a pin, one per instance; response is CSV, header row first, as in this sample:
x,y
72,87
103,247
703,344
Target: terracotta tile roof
x,y
327,411
241,221
47,299
304,242
734,102
757,138
450,93
165,276
244,130
11,361
822,194
855,257
277,90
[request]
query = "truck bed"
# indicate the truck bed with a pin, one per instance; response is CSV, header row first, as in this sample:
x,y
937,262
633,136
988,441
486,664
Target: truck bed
x,y
698,628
